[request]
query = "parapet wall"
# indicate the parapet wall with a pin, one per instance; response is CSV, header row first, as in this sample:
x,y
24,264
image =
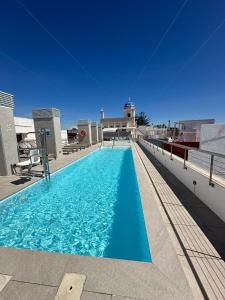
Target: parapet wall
x,y
193,179
8,142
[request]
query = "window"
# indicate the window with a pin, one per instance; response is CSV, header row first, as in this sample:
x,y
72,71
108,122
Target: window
x,y
128,115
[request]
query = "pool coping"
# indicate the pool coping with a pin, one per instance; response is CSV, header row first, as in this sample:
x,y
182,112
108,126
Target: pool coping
x,y
163,278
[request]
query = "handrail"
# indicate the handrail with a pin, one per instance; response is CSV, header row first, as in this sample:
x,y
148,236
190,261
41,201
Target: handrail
x,y
211,154
188,148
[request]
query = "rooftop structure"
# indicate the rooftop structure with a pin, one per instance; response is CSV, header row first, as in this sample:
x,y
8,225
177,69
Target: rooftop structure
x,y
6,100
190,129
24,129
125,123
8,145
49,119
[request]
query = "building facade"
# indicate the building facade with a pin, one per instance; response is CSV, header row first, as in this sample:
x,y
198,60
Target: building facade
x,y
189,130
126,123
24,129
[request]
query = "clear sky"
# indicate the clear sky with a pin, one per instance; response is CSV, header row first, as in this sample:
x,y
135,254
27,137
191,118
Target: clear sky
x,y
81,56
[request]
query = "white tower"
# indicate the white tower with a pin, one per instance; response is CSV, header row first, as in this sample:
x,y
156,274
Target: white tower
x,y
129,110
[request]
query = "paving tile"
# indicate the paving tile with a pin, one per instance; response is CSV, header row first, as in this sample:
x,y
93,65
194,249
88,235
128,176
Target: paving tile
x,y
128,278
209,279
195,288
33,266
95,296
71,287
26,291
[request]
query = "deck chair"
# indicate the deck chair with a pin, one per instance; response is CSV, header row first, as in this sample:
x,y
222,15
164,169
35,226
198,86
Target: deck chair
x,y
34,159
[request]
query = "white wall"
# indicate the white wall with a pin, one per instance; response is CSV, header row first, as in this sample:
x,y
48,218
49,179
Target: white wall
x,y
212,138
64,136
146,130
25,125
213,197
191,129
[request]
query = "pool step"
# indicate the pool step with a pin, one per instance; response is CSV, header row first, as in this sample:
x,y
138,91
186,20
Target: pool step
x,y
71,287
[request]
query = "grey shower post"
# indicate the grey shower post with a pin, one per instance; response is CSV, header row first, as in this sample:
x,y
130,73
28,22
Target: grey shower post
x,y
100,137
94,132
84,126
49,119
8,141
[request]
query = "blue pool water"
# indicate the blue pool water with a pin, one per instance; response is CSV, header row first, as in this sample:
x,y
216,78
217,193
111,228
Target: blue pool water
x,y
92,207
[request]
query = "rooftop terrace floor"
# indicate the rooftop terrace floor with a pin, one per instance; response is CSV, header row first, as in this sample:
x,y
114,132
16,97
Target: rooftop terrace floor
x,y
178,233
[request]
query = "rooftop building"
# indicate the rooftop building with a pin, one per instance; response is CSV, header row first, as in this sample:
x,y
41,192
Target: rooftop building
x,y
125,123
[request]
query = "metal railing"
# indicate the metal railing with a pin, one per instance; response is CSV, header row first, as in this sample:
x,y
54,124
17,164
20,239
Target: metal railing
x,y
211,162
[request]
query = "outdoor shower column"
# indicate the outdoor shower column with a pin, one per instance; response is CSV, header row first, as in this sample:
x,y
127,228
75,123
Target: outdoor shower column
x,y
8,141
94,132
99,132
84,129
49,119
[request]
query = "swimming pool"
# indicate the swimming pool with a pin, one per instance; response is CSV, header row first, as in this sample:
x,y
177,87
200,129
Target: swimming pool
x,y
91,207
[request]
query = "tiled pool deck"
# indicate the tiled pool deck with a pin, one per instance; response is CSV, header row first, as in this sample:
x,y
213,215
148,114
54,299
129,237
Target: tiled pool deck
x,y
37,275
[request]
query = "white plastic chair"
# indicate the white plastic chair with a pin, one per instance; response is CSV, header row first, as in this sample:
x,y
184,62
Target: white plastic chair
x,y
33,160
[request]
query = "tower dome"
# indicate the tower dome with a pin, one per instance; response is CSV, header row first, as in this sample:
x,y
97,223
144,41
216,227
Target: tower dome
x,y
129,104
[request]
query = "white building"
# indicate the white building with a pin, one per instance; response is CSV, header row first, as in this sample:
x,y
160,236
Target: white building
x,y
64,137
212,138
24,129
190,129
126,123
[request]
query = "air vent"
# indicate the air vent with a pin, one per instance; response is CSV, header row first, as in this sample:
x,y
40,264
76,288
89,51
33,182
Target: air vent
x,y
6,100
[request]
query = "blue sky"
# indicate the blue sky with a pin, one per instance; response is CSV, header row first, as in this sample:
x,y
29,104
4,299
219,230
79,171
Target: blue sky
x,y
95,55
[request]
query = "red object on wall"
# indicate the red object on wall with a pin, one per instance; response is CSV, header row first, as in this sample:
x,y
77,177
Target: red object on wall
x,y
179,151
83,133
